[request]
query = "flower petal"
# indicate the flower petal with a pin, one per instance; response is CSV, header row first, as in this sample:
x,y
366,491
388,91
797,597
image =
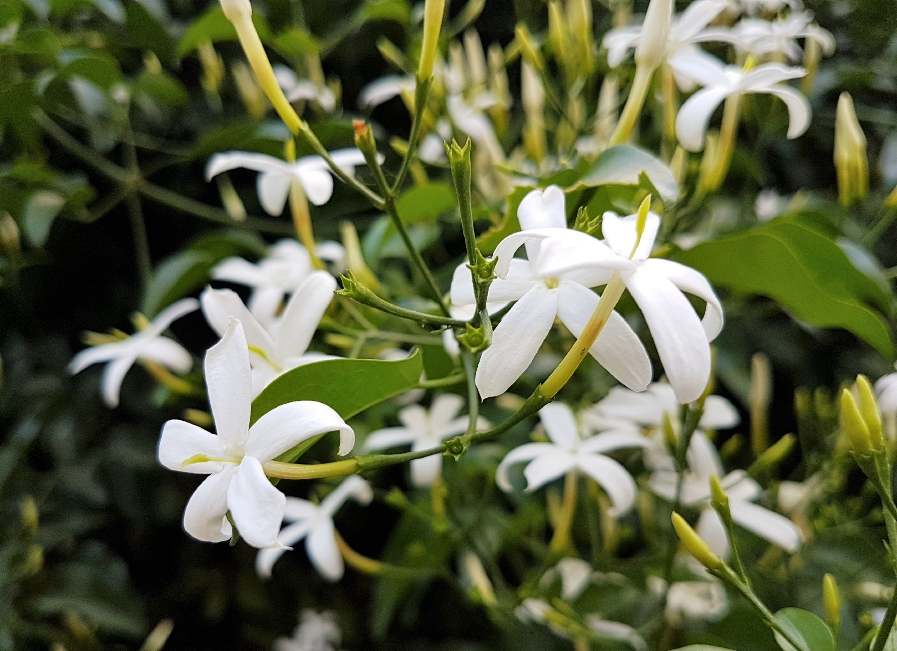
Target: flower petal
x,y
426,471
516,341
547,467
167,352
520,454
444,408
767,524
621,235
229,382
303,313
798,110
287,425
171,314
678,334
273,189
113,376
694,116
613,440
255,504
542,209
181,440
288,536
317,183
249,160
238,270
693,282
612,477
97,354
713,532
219,305
320,545
353,486
618,349
719,413
389,437
204,515
560,424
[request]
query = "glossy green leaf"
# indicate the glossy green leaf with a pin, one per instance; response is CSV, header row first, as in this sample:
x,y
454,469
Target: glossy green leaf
x,y
213,26
162,88
807,630
349,386
296,42
805,272
626,165
425,202
38,215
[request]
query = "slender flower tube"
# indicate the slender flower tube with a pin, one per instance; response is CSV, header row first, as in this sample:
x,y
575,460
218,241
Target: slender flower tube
x,y
433,11
851,161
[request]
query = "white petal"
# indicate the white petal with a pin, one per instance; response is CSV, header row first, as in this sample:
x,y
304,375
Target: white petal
x,y
318,185
519,281
719,413
613,440
255,504
618,348
273,189
620,234
219,305
181,440
798,110
113,376
389,437
288,536
249,160
166,352
518,455
323,552
238,270
383,90
299,509
542,209
767,524
694,116
348,159
204,515
693,282
548,467
886,388
229,383
516,341
287,425
426,471
353,486
701,68
171,314
444,408
560,424
613,478
579,257
713,532
703,459
96,354
761,78
678,334
303,313
696,17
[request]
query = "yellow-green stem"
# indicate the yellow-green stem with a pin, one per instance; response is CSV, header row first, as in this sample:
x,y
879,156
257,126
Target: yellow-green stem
x,y
354,559
283,470
302,221
167,379
633,109
717,172
561,540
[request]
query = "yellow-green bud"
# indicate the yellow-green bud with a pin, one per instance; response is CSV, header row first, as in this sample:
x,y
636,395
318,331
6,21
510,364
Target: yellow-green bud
x,y
851,161
694,544
853,426
870,412
831,600
30,516
433,11
718,498
528,49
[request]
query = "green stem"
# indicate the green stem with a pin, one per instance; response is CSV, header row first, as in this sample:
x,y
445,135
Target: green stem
x,y
473,396
421,95
135,215
884,630
360,294
633,108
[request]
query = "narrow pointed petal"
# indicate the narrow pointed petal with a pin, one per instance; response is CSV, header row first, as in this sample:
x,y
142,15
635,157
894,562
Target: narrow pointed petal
x,y
547,467
287,425
578,257
694,116
415,419
696,17
678,334
204,515
299,509
767,524
703,459
719,413
353,486
389,437
740,486
560,424
713,532
519,281
426,471
97,354
444,408
621,235
348,159
248,160
761,78
798,110
166,352
229,382
181,440
113,376
701,68
520,454
219,305
288,536
317,183
323,552
273,189
618,349
303,313
384,89
613,478
542,209
516,341
238,270
171,314
255,504
693,282
640,408
613,440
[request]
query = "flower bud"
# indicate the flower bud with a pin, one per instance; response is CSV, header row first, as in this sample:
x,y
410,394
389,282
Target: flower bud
x,y
652,44
528,49
831,601
718,498
851,161
30,517
236,10
853,426
694,545
433,11
870,412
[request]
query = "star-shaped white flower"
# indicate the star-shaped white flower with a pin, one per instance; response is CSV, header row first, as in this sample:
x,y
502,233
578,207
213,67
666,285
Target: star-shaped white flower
x,y
148,344
571,450
281,272
719,81
543,293
233,458
312,173
682,339
764,38
297,89
314,522
384,89
282,345
424,429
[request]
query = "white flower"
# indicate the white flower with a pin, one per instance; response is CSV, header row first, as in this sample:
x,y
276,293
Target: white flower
x,y
297,89
148,344
886,390
569,450
754,7
691,600
312,173
384,89
703,461
575,574
424,429
769,38
681,338
542,294
719,81
234,457
315,632
281,272
314,522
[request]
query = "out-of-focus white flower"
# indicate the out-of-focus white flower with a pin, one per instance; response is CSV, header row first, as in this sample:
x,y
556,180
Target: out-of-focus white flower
x,y
616,630
886,389
423,429
764,38
283,344
575,575
544,293
276,175
233,458
384,89
314,523
757,7
770,204
691,600
286,267
315,632
296,89
719,81
571,450
148,344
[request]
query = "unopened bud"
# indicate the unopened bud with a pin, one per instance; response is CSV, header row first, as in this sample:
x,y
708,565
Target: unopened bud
x,y
831,601
364,138
774,454
212,67
10,237
870,412
354,257
853,426
694,545
250,92
528,48
851,161
652,44
718,498
433,11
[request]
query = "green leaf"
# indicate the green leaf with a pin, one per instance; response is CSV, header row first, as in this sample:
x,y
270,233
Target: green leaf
x,y
175,277
805,272
38,215
162,87
349,386
807,630
395,10
296,42
626,165
146,31
425,202
509,224
214,26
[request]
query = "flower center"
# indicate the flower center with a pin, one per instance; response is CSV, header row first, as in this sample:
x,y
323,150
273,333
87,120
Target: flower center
x,y
552,283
